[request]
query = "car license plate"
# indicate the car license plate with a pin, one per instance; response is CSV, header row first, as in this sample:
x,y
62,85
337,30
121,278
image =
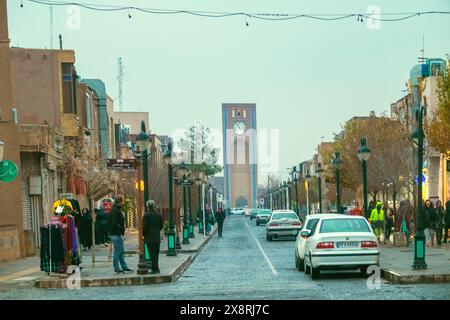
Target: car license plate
x,y
348,244
294,232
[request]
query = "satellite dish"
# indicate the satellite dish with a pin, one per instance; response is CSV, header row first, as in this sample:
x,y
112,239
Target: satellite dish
x,y
8,171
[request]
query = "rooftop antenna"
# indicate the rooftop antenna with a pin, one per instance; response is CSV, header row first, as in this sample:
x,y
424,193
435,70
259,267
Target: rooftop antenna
x,y
120,80
51,24
422,58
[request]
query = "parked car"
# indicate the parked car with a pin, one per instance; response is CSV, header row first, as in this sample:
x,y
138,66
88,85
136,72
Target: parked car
x,y
283,223
310,222
263,216
253,213
340,242
238,211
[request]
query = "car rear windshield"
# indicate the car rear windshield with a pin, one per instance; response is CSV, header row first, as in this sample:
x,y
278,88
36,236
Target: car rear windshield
x,y
279,216
311,223
344,225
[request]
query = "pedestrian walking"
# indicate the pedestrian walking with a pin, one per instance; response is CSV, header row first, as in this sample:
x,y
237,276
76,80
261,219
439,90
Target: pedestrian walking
x,y
208,219
85,229
389,222
404,219
220,217
101,228
98,234
152,224
377,219
430,223
446,220
369,209
117,231
440,222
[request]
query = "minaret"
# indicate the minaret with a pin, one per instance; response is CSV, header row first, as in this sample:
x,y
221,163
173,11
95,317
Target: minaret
x,y
5,67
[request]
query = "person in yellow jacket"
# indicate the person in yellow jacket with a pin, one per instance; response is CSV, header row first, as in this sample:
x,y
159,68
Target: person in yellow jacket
x,y
377,219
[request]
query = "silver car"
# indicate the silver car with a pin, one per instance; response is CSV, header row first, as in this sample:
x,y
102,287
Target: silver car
x,y
262,216
283,223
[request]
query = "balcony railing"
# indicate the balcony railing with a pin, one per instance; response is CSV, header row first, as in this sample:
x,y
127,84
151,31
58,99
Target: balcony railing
x,y
35,138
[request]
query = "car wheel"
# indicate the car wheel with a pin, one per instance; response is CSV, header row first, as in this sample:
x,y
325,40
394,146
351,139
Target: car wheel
x,y
363,270
301,265
296,261
269,238
257,223
315,272
306,267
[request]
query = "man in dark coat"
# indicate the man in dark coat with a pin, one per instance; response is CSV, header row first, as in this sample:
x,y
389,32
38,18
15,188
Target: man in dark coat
x,y
152,224
117,232
220,217
446,220
85,229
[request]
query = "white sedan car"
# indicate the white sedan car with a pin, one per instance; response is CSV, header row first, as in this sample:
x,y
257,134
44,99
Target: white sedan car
x,y
238,211
283,223
340,241
310,222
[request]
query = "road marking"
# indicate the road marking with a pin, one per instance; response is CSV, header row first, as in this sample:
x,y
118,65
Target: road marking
x,y
274,271
19,274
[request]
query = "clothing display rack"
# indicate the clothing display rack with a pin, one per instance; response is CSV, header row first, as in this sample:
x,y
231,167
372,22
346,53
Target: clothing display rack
x,y
59,240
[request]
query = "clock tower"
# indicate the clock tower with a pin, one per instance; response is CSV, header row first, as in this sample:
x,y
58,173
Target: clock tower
x,y
240,154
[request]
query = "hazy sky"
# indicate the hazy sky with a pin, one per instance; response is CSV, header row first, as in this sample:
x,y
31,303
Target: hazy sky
x,y
305,76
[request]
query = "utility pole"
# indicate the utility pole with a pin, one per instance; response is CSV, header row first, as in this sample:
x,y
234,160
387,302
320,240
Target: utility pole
x,y
120,81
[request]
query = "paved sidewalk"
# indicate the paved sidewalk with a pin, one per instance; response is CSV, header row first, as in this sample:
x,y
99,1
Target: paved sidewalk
x,y
194,245
396,264
101,273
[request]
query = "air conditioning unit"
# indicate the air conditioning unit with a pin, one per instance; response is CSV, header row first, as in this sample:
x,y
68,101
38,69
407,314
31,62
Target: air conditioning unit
x,y
35,186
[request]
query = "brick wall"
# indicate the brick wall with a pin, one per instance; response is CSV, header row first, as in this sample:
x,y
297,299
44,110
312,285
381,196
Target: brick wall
x,y
26,204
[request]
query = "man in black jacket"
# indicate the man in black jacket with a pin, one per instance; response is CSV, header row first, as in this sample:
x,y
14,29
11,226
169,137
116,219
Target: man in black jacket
x,y
220,217
117,232
446,220
152,223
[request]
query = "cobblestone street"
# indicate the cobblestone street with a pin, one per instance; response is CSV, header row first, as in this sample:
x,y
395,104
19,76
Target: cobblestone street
x,y
241,265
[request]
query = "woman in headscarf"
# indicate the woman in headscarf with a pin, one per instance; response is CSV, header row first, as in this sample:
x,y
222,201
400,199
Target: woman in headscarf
x,y
85,229
430,222
403,218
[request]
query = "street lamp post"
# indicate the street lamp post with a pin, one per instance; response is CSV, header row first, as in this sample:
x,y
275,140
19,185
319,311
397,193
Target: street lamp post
x,y
143,142
364,155
296,177
191,223
183,174
199,182
419,237
171,235
289,184
280,190
337,164
307,179
285,190
319,173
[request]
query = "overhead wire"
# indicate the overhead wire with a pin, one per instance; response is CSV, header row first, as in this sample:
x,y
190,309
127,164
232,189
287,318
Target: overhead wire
x,y
260,16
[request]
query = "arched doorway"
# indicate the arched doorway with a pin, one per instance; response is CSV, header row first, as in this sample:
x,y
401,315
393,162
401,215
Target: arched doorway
x,y
241,202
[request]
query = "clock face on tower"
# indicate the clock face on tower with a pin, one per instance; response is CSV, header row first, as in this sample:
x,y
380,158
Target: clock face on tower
x,y
239,127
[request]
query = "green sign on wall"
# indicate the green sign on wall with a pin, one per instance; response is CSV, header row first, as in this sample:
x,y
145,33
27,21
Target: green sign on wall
x,y
8,171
